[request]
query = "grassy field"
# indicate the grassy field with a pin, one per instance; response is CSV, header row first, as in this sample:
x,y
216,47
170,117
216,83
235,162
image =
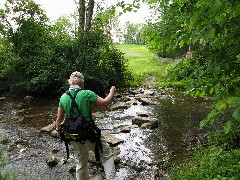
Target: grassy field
x,y
145,67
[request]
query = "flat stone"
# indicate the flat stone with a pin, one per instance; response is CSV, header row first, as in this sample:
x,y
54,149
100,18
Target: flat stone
x,y
111,140
98,115
146,101
141,120
121,105
2,98
49,128
149,92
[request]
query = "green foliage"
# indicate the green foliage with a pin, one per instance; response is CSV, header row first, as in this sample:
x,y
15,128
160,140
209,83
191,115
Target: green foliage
x,y
214,70
212,28
212,163
165,35
38,57
134,33
128,7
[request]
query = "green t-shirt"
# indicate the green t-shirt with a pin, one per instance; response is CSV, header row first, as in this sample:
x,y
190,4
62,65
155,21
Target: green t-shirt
x,y
84,99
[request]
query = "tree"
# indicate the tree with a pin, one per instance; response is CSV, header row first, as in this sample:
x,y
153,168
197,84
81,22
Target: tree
x,y
133,33
24,25
85,14
41,54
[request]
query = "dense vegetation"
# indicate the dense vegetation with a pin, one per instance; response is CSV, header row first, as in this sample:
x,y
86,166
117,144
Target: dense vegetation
x,y
211,30
37,56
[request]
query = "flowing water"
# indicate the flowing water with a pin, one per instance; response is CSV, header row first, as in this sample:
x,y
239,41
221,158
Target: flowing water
x,y
144,154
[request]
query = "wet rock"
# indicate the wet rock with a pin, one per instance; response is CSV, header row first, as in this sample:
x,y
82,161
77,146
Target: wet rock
x,y
118,95
142,114
28,98
134,103
2,98
97,177
121,105
134,91
124,128
111,140
141,120
116,151
20,141
91,158
150,125
146,101
54,133
126,99
72,168
98,115
51,161
149,92
49,128
22,111
54,151
22,150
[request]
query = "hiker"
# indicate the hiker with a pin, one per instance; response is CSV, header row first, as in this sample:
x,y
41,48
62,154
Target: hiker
x,y
84,99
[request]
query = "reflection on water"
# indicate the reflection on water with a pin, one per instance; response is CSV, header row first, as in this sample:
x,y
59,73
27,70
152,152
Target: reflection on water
x,y
179,116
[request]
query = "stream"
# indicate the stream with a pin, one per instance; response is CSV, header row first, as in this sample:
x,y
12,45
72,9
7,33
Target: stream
x,y
144,154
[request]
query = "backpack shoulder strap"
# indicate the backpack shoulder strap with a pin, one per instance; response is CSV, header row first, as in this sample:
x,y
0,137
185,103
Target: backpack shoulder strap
x,y
74,103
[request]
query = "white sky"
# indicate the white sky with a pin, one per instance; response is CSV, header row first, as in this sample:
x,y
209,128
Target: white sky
x,y
56,8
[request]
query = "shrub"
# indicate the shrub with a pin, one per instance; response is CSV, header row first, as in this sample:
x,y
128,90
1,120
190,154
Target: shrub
x,y
211,163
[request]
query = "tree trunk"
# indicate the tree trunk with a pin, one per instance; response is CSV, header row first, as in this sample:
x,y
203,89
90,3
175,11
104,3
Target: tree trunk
x,y
81,12
89,15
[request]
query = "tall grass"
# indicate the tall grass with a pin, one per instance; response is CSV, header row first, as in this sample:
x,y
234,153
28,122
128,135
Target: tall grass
x,y
144,65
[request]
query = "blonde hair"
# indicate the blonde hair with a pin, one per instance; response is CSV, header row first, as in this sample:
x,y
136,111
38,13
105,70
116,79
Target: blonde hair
x,y
76,78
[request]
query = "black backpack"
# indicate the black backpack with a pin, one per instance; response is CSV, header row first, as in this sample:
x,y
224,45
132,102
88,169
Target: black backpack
x,y
76,128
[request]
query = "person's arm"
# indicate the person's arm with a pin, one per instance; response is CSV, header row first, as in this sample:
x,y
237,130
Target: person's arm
x,y
59,120
105,101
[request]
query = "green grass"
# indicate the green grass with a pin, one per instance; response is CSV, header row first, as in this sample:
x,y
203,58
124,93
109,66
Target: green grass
x,y
144,66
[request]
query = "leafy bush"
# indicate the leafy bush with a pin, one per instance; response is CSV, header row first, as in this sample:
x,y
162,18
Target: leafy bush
x,y
43,56
212,163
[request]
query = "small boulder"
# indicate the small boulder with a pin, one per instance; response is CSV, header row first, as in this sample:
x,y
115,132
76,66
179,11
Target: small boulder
x,y
146,101
72,168
49,128
111,140
142,114
141,120
2,98
28,98
98,115
149,92
121,105
51,161
124,128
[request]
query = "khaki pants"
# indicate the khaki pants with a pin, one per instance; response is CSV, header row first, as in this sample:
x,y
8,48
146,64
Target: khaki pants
x,y
81,152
